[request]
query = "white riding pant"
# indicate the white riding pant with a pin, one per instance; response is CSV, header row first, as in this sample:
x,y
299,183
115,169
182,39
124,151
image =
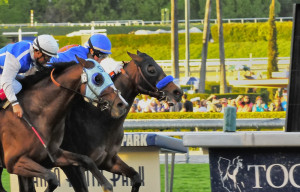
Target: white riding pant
x,y
16,85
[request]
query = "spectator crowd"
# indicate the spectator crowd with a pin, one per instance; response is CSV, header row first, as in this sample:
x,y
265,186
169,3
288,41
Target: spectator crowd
x,y
212,104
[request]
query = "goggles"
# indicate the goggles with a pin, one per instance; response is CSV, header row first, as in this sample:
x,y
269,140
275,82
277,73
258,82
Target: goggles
x,y
99,54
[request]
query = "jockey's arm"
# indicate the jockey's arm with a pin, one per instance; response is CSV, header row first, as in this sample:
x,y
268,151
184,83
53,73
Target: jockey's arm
x,y
111,66
10,71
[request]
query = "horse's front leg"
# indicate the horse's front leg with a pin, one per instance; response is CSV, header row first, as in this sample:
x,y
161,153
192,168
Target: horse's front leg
x,y
121,168
26,184
76,177
26,167
66,158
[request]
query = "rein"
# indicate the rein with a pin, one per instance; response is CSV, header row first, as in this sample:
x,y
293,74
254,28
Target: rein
x,y
59,85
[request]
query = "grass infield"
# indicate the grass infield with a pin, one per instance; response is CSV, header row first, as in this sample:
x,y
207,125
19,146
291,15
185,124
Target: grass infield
x,y
187,178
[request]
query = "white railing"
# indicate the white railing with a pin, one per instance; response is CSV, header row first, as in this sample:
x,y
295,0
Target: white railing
x,y
229,61
141,22
204,124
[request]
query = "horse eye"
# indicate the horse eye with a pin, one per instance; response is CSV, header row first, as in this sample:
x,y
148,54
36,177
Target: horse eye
x,y
97,79
151,69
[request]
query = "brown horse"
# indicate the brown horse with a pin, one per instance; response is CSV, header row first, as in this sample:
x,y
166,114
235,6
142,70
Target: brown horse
x,y
45,105
101,135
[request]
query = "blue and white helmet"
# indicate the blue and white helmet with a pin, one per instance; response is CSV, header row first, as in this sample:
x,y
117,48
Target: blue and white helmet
x,y
46,44
99,43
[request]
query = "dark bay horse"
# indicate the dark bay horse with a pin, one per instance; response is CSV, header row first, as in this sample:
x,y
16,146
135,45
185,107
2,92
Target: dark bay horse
x,y
45,105
101,135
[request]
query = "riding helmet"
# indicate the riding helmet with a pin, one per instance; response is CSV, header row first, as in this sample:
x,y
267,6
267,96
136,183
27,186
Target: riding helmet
x,y
99,42
46,44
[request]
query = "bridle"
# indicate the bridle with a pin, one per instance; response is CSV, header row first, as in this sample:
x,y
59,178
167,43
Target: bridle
x,y
102,104
160,95
155,92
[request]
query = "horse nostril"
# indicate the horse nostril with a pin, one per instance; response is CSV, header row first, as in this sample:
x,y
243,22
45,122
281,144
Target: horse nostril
x,y
121,104
177,92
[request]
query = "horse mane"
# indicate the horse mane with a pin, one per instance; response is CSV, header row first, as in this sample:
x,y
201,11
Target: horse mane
x,y
43,72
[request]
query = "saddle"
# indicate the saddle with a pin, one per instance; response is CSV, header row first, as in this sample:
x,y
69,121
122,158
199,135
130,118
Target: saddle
x,y
4,104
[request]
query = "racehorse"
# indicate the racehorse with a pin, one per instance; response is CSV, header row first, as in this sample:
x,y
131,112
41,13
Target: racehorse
x,y
45,100
100,135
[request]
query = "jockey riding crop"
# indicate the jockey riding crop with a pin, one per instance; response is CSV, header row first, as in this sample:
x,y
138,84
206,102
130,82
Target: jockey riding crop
x,y
38,135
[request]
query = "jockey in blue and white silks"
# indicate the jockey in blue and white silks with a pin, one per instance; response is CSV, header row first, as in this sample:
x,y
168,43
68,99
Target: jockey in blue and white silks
x,y
19,58
98,48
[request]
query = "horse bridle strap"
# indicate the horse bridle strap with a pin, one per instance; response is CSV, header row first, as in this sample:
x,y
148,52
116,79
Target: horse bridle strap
x,y
59,85
155,92
93,102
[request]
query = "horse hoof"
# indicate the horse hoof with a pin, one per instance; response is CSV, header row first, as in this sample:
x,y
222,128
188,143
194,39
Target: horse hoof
x,y
107,188
135,188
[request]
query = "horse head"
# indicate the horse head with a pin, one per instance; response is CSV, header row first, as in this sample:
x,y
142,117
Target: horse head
x,y
150,76
98,89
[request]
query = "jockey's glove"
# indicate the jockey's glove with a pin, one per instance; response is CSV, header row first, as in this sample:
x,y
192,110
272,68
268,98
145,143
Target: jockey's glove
x,y
118,68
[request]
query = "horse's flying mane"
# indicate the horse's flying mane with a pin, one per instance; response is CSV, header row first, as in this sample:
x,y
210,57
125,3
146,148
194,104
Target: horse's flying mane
x,y
44,72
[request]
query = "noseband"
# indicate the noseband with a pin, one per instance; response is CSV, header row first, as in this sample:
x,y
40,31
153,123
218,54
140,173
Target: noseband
x,y
102,104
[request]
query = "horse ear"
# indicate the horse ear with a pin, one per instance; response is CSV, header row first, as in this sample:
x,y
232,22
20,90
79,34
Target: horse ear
x,y
135,57
129,53
138,52
81,61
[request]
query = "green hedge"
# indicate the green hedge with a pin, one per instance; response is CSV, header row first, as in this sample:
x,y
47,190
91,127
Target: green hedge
x,y
156,45
158,39
3,41
199,115
253,32
63,40
240,40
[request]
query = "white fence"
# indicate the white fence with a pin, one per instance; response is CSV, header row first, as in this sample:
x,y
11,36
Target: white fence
x,y
229,61
206,124
141,22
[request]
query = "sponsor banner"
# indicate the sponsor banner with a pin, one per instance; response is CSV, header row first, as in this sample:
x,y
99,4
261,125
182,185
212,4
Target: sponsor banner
x,y
255,169
146,163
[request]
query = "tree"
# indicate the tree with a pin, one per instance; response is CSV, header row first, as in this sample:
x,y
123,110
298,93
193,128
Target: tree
x,y
205,40
272,46
149,10
15,11
174,39
242,8
286,9
59,11
223,84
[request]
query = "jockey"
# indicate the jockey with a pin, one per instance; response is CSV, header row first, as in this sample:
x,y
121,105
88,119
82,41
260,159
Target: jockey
x,y
19,58
98,48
